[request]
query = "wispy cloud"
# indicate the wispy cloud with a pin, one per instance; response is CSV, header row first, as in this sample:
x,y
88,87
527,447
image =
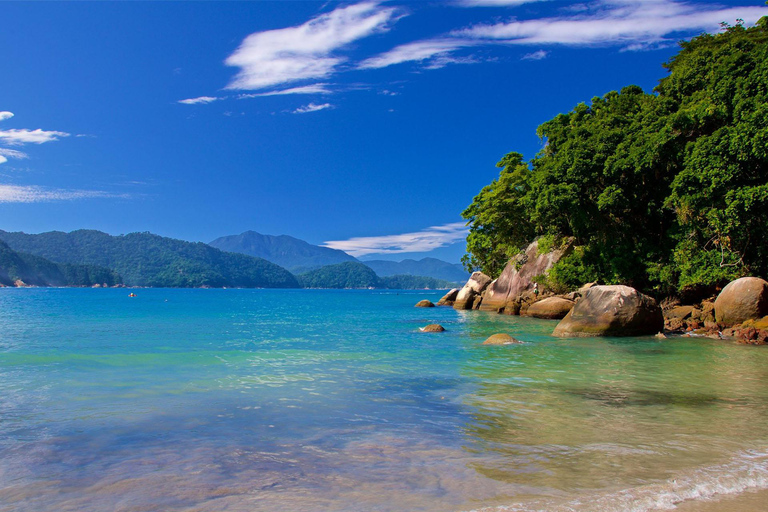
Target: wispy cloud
x,y
4,114
305,89
201,100
418,51
26,194
312,107
614,22
5,154
629,23
539,55
308,51
493,3
422,241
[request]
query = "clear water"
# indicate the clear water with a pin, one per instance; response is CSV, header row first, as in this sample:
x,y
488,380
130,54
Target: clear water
x,y
278,400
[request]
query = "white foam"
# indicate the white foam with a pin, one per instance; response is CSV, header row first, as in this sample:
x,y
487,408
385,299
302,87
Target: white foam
x,y
747,471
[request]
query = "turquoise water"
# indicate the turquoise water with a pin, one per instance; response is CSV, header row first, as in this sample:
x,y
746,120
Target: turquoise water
x,y
288,400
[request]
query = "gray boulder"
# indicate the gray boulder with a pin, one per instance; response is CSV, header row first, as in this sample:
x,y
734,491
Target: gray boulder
x,y
612,311
506,292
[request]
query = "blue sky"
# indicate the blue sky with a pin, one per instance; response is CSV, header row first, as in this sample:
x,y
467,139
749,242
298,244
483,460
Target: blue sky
x,y
367,126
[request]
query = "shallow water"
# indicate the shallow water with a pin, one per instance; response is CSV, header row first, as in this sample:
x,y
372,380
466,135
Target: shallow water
x,y
286,400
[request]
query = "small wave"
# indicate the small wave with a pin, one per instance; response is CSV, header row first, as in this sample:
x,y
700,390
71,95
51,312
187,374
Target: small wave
x,y
748,471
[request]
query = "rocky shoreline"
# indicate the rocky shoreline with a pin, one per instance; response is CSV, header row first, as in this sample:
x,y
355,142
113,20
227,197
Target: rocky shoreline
x,y
739,312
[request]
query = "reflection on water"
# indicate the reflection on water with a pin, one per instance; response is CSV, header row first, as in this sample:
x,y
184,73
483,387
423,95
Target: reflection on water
x,y
244,400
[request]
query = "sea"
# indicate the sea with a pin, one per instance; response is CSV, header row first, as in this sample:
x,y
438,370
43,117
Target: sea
x,y
334,400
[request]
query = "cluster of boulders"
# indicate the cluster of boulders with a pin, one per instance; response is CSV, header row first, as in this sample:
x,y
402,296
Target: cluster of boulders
x,y
740,311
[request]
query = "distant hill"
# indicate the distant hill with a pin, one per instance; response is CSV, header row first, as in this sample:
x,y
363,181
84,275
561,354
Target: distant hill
x,y
144,259
354,274
429,267
36,271
288,252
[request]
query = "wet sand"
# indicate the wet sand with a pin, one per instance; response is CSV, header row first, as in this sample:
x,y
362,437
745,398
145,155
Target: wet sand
x,y
750,501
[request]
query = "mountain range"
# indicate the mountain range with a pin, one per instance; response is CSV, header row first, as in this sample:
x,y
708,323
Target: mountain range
x,y
300,257
144,259
291,253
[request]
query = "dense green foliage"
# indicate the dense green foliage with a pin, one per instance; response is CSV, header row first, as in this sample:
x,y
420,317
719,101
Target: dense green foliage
x,y
356,275
665,191
144,259
37,271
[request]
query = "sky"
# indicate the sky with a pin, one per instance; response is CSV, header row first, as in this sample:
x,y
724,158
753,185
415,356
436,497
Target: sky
x,y
364,126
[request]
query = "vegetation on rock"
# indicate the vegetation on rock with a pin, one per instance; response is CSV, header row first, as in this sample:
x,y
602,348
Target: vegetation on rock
x,y
665,192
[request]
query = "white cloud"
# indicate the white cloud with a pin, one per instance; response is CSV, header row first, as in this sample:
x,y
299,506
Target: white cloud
x,y
5,154
422,241
418,51
312,107
4,114
539,55
614,22
200,100
38,136
281,56
493,3
305,89
25,194
630,23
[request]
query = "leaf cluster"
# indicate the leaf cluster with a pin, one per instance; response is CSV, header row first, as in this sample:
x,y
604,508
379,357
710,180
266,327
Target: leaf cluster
x,y
665,191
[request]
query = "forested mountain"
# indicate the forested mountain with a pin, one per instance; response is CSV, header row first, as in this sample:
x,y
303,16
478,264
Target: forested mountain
x,y
288,252
664,191
428,267
144,259
37,271
357,275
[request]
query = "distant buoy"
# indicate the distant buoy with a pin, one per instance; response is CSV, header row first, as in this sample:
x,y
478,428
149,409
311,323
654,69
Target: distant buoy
x,y
132,295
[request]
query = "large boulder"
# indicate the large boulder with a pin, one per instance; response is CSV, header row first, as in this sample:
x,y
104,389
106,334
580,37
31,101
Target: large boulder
x,y
506,292
425,304
552,308
742,300
612,311
432,328
449,298
477,283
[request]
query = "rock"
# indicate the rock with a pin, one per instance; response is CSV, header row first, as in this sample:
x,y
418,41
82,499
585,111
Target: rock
x,y
661,335
741,300
517,277
501,339
612,311
553,308
761,323
477,283
449,298
680,312
433,328
424,304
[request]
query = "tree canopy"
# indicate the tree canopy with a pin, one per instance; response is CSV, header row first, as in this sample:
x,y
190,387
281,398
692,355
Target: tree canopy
x,y
665,191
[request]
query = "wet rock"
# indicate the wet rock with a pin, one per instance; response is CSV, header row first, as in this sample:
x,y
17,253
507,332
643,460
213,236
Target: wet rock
x,y
424,304
741,300
433,328
552,308
612,311
501,339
